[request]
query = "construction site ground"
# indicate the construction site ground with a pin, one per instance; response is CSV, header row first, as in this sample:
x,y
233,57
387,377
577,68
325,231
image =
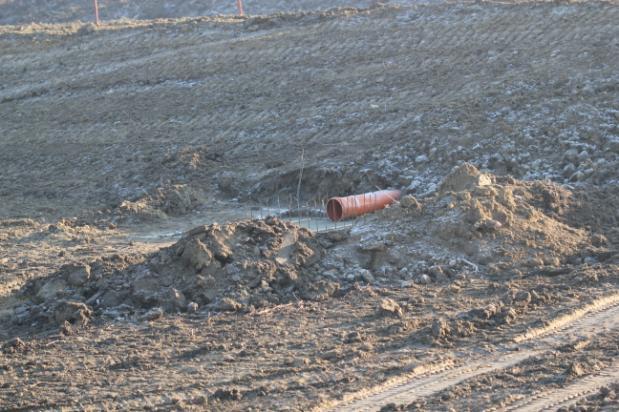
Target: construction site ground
x,y
162,182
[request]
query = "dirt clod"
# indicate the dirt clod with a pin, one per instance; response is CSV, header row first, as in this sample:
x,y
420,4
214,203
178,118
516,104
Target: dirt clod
x,y
390,307
440,328
410,202
576,369
73,312
464,177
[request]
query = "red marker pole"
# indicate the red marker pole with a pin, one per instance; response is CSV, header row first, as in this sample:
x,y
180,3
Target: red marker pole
x,y
96,12
239,6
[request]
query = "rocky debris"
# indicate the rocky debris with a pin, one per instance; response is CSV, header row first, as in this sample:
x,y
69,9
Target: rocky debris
x,y
192,307
496,228
606,392
467,323
367,276
445,330
522,298
229,305
485,313
357,274
225,394
423,279
52,289
490,315
477,223
506,315
354,337
422,159
599,240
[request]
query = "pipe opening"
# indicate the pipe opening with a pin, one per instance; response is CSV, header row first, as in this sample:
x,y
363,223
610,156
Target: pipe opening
x,y
334,210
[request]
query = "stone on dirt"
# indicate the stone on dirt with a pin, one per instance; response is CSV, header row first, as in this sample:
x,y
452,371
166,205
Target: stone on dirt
x,y
77,275
15,345
389,306
522,298
192,307
576,369
464,177
410,202
72,312
229,305
440,328
153,314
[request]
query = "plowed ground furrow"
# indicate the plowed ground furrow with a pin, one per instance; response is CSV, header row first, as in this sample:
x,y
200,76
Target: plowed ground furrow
x,y
167,60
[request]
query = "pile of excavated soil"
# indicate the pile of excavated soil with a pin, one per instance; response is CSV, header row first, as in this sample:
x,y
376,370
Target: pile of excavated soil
x,y
236,266
482,223
508,223
161,203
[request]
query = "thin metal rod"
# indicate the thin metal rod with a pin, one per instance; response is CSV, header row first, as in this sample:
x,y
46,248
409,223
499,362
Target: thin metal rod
x,y
96,3
239,6
300,179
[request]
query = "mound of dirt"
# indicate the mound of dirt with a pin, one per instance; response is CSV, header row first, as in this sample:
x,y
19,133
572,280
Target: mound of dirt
x,y
229,267
174,200
479,221
509,223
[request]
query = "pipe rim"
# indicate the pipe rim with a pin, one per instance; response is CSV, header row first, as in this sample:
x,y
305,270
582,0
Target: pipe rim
x,y
335,210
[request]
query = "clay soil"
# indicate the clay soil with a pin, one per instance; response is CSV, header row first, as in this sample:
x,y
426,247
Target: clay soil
x,y
162,239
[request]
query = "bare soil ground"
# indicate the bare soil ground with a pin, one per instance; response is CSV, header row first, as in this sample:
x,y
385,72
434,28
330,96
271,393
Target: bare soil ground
x,y
58,11
138,269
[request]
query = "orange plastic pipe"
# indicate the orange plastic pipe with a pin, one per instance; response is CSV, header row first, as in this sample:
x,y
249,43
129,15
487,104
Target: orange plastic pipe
x,y
339,208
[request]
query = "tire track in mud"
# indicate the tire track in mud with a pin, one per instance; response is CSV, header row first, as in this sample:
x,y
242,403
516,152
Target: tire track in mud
x,y
600,315
428,384
553,400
